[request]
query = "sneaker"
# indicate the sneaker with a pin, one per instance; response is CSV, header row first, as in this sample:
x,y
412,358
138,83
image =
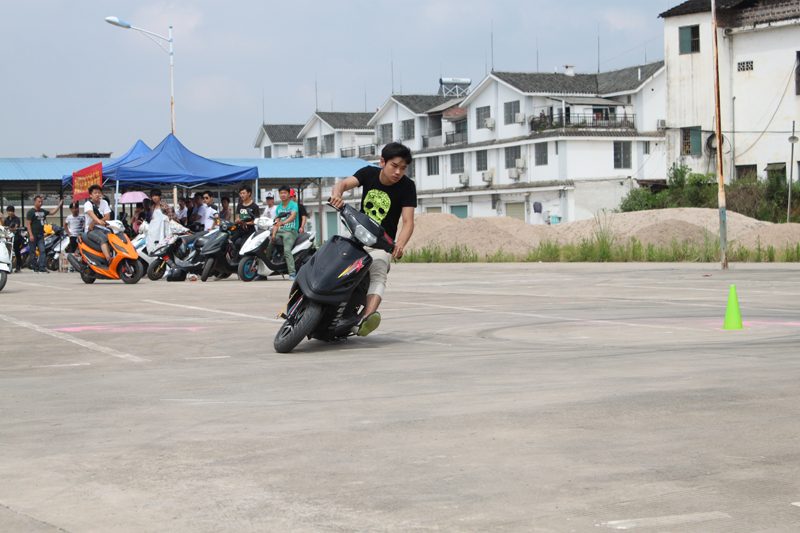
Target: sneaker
x,y
369,324
44,272
292,276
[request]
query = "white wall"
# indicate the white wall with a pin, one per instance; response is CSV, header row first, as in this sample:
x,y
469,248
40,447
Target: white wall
x,y
393,113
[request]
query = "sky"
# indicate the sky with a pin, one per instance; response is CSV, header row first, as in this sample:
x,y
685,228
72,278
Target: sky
x,y
73,83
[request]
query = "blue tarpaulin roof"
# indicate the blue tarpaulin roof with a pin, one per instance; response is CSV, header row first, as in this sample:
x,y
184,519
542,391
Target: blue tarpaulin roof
x,y
137,150
171,162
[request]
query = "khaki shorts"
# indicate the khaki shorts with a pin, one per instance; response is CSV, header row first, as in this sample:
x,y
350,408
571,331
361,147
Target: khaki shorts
x,y
378,271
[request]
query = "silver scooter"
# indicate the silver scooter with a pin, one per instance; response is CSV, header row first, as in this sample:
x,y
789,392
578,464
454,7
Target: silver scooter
x,y
6,241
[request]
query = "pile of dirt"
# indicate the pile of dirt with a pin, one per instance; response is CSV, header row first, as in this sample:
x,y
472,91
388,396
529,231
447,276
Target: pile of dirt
x,y
488,235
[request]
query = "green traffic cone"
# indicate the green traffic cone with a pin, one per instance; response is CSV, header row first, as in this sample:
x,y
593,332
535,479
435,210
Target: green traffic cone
x,y
733,318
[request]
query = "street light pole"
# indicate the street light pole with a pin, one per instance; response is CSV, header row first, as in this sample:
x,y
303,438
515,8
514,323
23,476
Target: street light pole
x,y
115,21
793,140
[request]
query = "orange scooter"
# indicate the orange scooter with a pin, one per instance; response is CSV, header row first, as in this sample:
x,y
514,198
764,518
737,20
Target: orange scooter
x,y
92,265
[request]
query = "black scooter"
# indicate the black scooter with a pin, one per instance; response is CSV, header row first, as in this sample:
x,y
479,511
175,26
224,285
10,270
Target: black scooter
x,y
220,254
330,293
183,251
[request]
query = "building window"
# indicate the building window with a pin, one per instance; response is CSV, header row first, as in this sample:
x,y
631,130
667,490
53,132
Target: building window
x,y
797,74
481,160
461,126
646,147
512,154
410,170
327,143
540,154
267,152
744,66
407,129
556,146
622,154
433,166
481,114
690,39
457,163
311,146
510,110
385,133
690,141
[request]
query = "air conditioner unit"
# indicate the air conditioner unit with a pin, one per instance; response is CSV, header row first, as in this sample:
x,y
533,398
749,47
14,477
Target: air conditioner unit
x,y
489,123
488,177
463,179
662,124
520,164
513,173
519,118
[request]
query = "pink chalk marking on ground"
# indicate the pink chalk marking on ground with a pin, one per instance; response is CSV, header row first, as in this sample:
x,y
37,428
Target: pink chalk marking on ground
x,y
758,323
125,329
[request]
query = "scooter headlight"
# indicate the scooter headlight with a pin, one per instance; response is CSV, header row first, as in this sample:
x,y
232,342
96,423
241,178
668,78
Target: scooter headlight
x,y
365,236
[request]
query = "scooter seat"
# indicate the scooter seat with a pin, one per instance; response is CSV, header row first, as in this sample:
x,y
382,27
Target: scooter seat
x,y
301,238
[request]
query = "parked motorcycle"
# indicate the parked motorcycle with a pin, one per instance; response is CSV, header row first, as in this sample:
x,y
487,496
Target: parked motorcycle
x,y
253,260
328,298
220,253
92,265
53,243
24,251
180,250
6,241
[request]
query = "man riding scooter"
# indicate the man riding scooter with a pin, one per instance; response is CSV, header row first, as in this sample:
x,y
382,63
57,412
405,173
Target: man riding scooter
x,y
97,213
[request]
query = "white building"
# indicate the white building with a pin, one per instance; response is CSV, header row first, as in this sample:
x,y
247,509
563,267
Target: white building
x,y
546,147
759,70
336,134
279,140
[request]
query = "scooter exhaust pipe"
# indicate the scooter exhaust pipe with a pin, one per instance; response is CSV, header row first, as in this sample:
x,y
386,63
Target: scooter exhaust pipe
x,y
76,264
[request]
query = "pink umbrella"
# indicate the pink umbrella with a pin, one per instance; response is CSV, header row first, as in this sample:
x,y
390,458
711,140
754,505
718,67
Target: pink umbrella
x,y
133,197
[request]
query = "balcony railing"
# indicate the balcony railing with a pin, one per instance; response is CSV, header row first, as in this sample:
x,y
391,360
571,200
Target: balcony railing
x,y
349,152
585,120
452,138
434,139
366,150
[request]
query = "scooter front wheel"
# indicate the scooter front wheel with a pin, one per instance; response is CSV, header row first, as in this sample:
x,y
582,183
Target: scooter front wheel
x,y
130,271
156,269
86,278
299,324
248,269
3,279
207,269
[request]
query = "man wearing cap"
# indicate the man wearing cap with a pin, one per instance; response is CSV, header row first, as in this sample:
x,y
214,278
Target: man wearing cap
x,y
271,209
301,210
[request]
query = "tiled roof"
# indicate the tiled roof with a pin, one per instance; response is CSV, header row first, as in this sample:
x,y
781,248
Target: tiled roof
x,y
626,79
283,133
700,6
447,105
420,103
557,83
547,134
346,121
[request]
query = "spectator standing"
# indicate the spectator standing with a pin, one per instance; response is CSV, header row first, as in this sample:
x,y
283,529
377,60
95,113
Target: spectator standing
x,y
271,209
36,219
286,228
159,228
182,214
209,212
225,212
196,218
13,223
301,210
74,226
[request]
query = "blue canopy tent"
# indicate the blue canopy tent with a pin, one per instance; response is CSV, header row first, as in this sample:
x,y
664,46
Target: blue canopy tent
x,y
137,150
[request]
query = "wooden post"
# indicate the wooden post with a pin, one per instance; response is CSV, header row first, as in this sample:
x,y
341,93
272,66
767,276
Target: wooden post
x,y
723,224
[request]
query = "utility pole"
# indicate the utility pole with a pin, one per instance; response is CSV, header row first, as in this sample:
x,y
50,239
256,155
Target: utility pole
x,y
723,223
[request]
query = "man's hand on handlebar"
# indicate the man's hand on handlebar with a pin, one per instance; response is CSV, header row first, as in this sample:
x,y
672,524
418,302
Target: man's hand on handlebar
x,y
336,201
397,253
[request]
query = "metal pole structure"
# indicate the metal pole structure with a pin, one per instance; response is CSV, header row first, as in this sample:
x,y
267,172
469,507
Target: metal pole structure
x,y
319,209
172,108
792,140
723,223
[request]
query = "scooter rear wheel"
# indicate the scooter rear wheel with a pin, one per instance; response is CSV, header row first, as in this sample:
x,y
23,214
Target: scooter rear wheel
x,y
87,278
302,322
156,269
3,279
207,269
248,270
130,271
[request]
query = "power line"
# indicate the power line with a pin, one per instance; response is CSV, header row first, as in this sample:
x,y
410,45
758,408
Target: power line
x,y
632,49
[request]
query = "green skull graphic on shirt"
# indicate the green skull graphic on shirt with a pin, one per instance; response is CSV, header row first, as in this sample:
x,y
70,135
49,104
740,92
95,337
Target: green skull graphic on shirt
x,y
377,204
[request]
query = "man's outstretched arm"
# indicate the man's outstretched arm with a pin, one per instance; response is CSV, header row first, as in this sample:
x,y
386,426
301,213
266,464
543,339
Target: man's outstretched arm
x,y
342,187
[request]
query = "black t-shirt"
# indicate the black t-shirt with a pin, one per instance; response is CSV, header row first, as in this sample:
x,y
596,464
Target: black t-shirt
x,y
38,219
13,219
249,213
301,212
385,204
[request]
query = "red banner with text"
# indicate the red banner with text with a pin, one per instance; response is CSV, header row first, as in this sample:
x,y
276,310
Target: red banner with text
x,y
83,179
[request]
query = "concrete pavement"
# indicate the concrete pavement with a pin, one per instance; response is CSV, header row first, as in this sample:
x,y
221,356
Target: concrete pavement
x,y
494,397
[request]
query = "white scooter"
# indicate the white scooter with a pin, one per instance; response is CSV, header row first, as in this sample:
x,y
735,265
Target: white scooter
x,y
6,241
253,260
140,244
